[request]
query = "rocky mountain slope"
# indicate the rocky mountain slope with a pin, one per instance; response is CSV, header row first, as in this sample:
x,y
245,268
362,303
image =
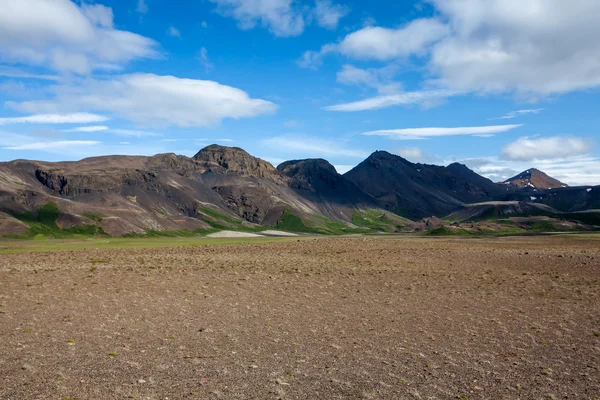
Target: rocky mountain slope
x,y
421,190
220,187
535,179
227,188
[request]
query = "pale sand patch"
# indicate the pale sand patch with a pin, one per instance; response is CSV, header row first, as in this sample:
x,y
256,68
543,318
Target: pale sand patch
x,y
232,234
277,233
271,232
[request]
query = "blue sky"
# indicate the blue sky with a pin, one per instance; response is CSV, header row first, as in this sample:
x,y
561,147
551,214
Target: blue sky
x,y
496,84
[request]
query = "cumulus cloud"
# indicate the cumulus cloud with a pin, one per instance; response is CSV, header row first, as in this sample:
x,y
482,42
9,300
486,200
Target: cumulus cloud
x,y
424,133
383,44
550,148
67,37
377,43
148,99
414,154
534,50
306,146
281,17
541,47
73,118
328,14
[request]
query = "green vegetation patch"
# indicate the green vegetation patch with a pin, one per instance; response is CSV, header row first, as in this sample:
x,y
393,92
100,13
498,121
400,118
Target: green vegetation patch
x,y
376,220
42,225
292,223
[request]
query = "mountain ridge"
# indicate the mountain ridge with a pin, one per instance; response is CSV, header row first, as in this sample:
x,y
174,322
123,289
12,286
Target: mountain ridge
x,y
227,188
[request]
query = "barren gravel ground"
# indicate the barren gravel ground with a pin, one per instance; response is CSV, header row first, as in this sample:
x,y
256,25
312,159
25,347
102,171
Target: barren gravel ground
x,y
339,318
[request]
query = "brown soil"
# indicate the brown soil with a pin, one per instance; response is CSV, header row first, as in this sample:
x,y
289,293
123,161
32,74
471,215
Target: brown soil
x,y
343,318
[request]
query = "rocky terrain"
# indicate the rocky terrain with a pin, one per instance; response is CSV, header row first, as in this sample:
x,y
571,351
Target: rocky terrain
x,y
331,318
534,178
227,188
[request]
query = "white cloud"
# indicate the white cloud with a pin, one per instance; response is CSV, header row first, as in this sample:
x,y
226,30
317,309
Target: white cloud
x,y
533,49
61,144
413,154
314,59
13,72
377,78
174,32
342,169
383,44
204,60
149,99
423,98
518,113
66,37
306,146
423,133
98,15
538,48
142,7
328,14
386,44
281,17
574,171
94,128
133,133
551,148
74,118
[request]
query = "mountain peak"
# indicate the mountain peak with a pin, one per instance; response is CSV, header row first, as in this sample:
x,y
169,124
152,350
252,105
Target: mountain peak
x,y
308,172
223,159
535,179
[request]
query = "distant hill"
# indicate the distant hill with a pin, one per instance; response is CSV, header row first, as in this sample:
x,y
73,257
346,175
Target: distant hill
x,y
534,178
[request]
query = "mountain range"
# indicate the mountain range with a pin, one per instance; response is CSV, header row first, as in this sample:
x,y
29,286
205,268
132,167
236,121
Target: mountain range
x,y
227,188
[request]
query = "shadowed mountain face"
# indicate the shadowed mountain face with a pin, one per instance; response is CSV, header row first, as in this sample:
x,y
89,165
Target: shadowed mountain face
x,y
227,188
420,190
534,178
317,180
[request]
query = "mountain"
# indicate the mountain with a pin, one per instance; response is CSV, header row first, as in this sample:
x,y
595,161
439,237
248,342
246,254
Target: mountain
x,y
318,181
534,179
227,188
420,190
220,187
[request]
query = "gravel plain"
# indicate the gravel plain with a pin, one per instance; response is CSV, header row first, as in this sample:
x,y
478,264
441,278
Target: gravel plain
x,y
325,318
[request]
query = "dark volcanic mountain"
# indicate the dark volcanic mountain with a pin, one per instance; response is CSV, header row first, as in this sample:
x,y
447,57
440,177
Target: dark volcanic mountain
x,y
318,181
534,178
420,190
170,192
227,188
